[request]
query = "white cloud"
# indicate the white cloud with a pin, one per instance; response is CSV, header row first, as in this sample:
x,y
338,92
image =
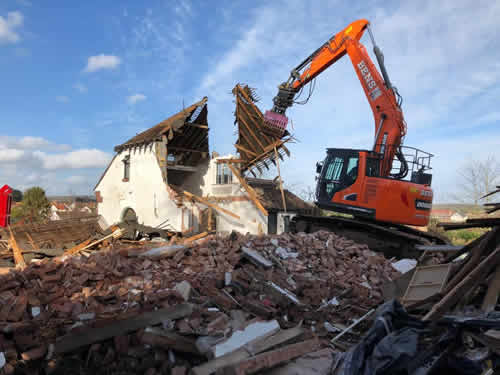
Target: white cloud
x,y
62,99
8,26
31,143
76,180
11,155
84,158
102,61
80,87
25,3
132,99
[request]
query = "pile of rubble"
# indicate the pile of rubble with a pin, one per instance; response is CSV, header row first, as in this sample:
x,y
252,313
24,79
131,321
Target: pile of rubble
x,y
187,307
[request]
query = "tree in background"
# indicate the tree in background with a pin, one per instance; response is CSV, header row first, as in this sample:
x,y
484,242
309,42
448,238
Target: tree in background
x,y
35,205
477,178
17,195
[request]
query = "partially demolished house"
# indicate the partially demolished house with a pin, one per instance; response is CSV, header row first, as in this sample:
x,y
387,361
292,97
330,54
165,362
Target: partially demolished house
x,y
166,177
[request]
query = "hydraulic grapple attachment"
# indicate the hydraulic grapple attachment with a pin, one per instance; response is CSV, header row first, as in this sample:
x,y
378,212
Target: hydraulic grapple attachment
x,y
274,124
275,121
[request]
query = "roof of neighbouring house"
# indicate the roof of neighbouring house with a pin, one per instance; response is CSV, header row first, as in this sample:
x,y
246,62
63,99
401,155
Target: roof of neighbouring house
x,y
192,137
270,196
442,212
59,205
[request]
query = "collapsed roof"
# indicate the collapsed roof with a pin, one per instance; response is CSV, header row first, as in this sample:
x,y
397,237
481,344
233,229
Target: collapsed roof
x,y
269,194
255,147
185,134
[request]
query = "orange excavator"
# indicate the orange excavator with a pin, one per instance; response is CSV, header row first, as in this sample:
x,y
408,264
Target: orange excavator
x,y
386,188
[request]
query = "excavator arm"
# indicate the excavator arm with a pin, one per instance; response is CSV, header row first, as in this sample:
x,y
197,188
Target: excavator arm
x,y
390,127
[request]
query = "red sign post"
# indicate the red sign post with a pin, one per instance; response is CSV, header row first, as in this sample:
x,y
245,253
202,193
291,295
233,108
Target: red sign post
x,y
5,205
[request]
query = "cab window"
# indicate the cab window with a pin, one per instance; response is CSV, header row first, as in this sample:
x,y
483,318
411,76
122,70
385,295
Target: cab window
x,y
351,173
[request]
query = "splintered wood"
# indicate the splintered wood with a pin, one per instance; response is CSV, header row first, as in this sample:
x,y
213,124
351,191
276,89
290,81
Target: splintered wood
x,y
256,148
209,204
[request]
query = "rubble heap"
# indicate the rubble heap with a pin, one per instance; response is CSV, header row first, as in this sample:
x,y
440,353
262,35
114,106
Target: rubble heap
x,y
99,313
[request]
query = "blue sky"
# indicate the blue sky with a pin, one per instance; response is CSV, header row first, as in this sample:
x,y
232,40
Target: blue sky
x,y
78,78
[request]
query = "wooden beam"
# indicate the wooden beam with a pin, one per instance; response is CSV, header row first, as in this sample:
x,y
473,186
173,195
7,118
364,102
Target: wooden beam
x,y
281,181
242,120
207,203
73,341
257,112
239,147
255,347
272,358
251,192
236,161
195,237
77,248
196,125
491,298
473,260
30,239
175,148
454,295
17,253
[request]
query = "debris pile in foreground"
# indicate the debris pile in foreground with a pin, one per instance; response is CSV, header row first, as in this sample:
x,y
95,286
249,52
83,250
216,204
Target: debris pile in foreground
x,y
177,307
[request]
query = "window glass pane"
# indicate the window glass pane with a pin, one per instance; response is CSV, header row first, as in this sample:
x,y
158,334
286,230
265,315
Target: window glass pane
x,y
372,167
352,167
334,169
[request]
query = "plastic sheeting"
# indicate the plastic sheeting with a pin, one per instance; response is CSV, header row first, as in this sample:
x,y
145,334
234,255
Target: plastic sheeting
x,y
388,345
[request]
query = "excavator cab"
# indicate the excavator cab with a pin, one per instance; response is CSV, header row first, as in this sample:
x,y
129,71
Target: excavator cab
x,y
350,181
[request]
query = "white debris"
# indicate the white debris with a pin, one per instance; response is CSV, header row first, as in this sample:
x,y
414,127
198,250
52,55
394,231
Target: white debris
x,y
158,239
255,257
285,292
366,285
250,333
50,352
285,253
86,316
35,311
2,359
227,278
334,301
275,241
404,265
184,289
330,328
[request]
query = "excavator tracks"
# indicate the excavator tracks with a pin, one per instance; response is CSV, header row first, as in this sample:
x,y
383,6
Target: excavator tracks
x,y
393,240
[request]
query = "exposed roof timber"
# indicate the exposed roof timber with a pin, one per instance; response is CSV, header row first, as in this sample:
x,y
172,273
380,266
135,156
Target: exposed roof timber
x,y
253,144
239,147
175,148
197,126
242,120
171,124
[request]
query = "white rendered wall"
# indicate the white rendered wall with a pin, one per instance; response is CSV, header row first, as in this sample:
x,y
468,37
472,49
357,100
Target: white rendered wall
x,y
145,192
250,216
147,195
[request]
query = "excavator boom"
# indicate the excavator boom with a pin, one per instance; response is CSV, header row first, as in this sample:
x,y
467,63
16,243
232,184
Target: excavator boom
x,y
369,183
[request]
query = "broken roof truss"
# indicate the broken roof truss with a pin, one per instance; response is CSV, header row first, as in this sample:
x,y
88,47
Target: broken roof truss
x,y
184,135
256,148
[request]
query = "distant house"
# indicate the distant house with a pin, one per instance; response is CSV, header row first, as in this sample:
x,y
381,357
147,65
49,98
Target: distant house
x,y
61,211
448,215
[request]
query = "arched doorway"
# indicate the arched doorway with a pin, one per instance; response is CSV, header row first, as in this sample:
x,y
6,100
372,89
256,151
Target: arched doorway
x,y
128,214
